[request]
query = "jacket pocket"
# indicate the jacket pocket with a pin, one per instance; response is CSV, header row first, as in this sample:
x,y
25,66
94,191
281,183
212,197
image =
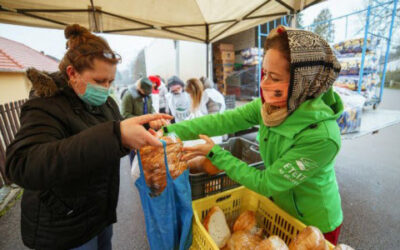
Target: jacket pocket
x,y
55,204
296,207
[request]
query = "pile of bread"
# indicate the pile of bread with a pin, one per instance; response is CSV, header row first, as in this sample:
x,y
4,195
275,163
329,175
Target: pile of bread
x,y
246,234
153,163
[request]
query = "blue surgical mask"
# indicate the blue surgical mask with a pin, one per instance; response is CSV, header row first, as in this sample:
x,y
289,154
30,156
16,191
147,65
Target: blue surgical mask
x,y
95,95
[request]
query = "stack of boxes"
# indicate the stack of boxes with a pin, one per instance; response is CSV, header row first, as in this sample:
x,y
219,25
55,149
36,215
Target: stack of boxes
x,y
224,59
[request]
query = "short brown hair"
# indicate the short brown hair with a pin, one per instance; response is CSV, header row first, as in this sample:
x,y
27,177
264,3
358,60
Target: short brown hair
x,y
83,47
278,39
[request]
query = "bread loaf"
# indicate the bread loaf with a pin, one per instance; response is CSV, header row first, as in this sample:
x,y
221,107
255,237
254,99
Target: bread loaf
x,y
310,238
243,240
154,164
196,164
245,222
209,168
272,243
216,226
202,164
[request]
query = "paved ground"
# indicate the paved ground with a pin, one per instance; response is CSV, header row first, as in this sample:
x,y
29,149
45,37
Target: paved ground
x,y
367,169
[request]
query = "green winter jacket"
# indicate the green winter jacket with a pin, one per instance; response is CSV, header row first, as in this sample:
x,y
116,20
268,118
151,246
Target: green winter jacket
x,y
132,103
299,156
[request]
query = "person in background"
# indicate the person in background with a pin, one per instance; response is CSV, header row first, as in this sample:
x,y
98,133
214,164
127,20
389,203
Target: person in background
x,y
299,136
155,94
178,101
213,101
195,89
163,91
136,101
66,154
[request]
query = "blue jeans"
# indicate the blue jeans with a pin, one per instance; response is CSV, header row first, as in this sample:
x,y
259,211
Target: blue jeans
x,y
100,242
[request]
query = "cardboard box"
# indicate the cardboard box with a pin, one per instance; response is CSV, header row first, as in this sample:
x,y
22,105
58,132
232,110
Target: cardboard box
x,y
223,70
221,88
224,75
223,47
233,90
224,55
220,62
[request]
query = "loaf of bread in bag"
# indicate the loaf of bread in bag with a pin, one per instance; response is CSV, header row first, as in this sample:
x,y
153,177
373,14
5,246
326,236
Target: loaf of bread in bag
x,y
154,164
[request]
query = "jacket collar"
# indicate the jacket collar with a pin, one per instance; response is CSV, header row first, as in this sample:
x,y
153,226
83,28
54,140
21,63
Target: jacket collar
x,y
327,106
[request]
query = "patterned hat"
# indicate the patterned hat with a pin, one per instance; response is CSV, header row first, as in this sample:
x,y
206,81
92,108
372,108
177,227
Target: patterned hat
x,y
313,65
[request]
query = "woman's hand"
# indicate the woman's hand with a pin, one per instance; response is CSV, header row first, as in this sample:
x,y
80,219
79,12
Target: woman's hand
x,y
135,136
157,124
198,150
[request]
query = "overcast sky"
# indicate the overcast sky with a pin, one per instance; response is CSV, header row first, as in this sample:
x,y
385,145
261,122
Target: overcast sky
x,y
52,42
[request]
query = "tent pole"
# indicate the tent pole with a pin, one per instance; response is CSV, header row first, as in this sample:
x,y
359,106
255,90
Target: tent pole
x,y
177,70
207,60
207,50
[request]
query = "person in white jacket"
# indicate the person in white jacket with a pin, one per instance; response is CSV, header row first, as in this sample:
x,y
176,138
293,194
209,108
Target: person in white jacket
x,y
212,100
178,101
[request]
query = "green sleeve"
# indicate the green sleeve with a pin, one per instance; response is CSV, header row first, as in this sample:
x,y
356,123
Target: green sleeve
x,y
230,121
294,167
127,107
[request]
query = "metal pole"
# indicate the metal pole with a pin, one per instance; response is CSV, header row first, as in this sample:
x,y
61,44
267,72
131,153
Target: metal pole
x,y
387,49
207,51
177,70
207,60
347,20
364,50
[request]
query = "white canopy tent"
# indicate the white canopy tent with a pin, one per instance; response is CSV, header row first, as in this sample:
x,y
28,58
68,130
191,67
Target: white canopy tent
x,y
193,20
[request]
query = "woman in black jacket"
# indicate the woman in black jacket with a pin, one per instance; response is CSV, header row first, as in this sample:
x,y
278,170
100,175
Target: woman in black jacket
x,y
67,153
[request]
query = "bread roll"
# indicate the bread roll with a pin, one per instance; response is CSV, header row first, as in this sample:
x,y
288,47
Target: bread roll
x,y
272,243
310,238
209,168
241,240
154,165
343,247
203,164
247,222
216,226
196,164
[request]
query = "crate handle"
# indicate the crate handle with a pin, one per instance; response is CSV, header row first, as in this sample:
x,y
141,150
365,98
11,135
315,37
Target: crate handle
x,y
254,148
223,198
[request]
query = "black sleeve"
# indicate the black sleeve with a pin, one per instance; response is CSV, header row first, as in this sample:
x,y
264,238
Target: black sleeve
x,y
42,156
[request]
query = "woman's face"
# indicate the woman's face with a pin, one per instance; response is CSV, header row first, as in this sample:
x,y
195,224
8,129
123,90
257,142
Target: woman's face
x,y
102,74
275,83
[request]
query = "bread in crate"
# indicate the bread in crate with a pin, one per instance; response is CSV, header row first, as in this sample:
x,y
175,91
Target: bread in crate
x,y
243,240
216,226
272,243
310,238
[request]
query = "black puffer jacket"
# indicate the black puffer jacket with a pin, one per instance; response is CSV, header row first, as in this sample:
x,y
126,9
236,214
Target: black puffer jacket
x,y
66,156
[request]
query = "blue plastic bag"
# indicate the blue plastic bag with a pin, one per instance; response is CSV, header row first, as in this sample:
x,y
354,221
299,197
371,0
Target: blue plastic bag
x,y
169,215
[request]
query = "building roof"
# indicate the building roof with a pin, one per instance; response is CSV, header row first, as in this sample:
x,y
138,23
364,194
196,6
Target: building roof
x,y
17,57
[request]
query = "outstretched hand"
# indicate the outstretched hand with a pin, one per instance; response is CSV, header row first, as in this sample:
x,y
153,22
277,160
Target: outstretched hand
x,y
135,136
198,150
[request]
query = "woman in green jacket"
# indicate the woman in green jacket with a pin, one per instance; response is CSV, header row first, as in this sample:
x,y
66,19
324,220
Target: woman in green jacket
x,y
299,136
